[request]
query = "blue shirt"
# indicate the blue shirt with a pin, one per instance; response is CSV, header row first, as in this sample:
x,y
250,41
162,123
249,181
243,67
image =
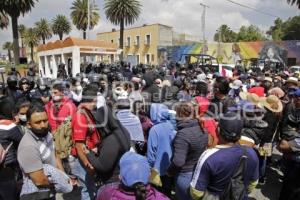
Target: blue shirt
x,y
216,166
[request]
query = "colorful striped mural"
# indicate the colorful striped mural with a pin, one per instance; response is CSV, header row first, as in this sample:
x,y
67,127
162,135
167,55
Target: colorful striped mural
x,y
231,52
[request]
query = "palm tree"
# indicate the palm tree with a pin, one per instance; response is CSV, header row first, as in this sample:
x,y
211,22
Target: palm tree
x,y
22,29
123,13
31,39
4,21
61,26
79,15
292,2
14,8
43,29
8,46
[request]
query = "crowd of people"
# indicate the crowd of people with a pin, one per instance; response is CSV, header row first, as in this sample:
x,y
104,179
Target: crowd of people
x,y
172,132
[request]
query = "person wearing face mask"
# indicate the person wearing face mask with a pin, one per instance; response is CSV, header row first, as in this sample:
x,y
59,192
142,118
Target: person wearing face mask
x,y
41,93
36,149
85,138
59,108
76,91
21,108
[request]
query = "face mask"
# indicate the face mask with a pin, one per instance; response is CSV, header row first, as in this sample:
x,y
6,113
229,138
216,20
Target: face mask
x,y
78,88
56,98
23,118
41,133
43,87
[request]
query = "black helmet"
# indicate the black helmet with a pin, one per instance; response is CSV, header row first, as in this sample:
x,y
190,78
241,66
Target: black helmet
x,y
106,70
94,78
12,82
24,80
42,82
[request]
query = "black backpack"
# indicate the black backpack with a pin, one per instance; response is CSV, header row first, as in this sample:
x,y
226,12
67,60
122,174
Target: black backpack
x,y
236,189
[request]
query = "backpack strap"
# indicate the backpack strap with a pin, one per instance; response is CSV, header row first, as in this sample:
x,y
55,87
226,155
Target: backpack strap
x,y
90,122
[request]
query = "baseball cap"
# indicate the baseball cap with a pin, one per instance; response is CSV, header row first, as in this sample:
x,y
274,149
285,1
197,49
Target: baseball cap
x,y
231,125
134,168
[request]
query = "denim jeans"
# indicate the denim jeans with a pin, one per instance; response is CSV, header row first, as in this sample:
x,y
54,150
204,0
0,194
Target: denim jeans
x,y
182,187
85,181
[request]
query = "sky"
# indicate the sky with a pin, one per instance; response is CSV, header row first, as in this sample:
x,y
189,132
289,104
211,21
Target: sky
x,y
183,15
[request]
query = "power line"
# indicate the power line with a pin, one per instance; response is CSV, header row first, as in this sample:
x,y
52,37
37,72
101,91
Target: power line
x,y
251,8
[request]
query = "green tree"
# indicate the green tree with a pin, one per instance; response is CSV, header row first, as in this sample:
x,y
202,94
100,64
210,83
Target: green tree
x,y
61,26
224,34
250,33
4,21
276,31
79,15
122,13
22,29
8,46
292,2
14,8
43,29
291,30
31,40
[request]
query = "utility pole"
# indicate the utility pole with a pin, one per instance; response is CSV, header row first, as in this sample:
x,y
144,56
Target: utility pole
x,y
204,48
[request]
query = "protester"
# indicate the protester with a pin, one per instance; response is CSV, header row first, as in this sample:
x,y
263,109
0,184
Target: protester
x,y
115,141
189,143
207,122
290,147
134,184
10,137
59,108
20,111
86,138
221,101
159,151
221,161
37,148
76,91
129,121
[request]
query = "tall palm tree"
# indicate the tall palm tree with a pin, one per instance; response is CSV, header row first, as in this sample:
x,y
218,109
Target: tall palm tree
x,y
8,46
79,15
292,2
14,8
43,29
61,26
22,29
4,21
123,13
31,39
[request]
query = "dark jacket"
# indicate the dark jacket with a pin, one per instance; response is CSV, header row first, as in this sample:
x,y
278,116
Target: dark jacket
x,y
115,142
189,143
151,92
272,121
9,132
254,129
218,106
